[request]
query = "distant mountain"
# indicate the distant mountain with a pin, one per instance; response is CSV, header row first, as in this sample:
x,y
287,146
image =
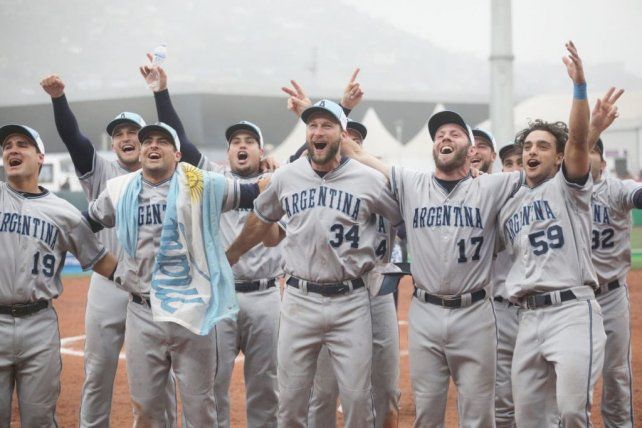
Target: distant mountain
x,y
248,47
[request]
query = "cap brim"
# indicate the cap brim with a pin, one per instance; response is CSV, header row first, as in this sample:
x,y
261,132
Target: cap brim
x,y
229,133
506,151
7,130
356,126
486,136
146,130
114,123
442,118
305,116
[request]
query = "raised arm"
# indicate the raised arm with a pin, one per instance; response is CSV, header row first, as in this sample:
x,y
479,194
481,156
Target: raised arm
x,y
79,147
603,115
299,101
353,150
156,79
576,152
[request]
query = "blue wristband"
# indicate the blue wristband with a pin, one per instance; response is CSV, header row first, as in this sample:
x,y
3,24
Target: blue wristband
x,y
579,91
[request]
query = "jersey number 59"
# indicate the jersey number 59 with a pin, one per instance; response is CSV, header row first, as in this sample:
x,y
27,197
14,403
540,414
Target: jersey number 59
x,y
553,237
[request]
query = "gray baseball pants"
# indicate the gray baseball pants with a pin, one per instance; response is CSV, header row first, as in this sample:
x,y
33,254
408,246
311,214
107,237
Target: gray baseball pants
x,y
341,323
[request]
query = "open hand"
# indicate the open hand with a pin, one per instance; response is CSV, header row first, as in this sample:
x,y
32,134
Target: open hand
x,y
573,64
605,110
154,75
297,100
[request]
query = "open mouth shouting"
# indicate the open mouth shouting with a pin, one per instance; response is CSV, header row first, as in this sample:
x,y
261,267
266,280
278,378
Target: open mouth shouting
x,y
13,162
319,146
154,156
128,148
242,155
446,150
533,163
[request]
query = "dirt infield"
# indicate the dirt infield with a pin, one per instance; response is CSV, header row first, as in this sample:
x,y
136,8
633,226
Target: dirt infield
x,y
71,311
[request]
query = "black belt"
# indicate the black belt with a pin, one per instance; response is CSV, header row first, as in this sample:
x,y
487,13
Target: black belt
x,y
24,309
327,289
450,302
611,286
141,300
250,286
535,301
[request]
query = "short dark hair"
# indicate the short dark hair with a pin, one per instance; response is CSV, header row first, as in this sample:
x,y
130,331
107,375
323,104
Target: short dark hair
x,y
559,130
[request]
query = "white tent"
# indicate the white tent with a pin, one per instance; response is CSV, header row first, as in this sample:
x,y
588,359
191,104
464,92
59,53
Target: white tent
x,y
379,141
291,144
417,153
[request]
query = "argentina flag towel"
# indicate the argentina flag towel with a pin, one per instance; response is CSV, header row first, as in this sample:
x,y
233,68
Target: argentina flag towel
x,y
192,283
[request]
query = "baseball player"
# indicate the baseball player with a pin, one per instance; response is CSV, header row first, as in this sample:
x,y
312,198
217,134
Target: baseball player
x,y
546,228
153,347
385,337
36,230
106,304
611,203
485,154
328,202
255,330
451,227
506,312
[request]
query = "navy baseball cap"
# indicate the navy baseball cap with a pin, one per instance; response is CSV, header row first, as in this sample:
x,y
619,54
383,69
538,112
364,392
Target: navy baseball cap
x,y
7,130
326,106
478,132
244,125
125,117
508,150
359,127
163,128
445,117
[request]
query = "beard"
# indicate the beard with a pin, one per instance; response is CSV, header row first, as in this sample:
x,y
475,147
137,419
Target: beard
x,y
332,148
455,162
485,166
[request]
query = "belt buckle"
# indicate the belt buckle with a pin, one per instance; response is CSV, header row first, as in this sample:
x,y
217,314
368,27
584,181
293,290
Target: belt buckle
x,y
449,302
18,310
342,289
531,302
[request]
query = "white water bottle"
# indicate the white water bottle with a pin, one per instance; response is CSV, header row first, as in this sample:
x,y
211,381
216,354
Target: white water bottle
x,y
160,54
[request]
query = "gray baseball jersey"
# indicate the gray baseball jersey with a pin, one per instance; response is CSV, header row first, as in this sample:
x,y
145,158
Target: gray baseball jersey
x,y
36,231
93,183
260,262
451,236
547,232
135,274
326,217
612,202
501,265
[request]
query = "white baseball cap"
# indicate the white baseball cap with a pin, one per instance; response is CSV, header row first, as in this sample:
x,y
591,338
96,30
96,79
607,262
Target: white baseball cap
x,y
478,132
125,117
164,129
244,125
327,106
7,130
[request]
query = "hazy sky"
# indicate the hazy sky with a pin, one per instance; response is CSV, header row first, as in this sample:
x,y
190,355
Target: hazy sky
x,y
603,30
